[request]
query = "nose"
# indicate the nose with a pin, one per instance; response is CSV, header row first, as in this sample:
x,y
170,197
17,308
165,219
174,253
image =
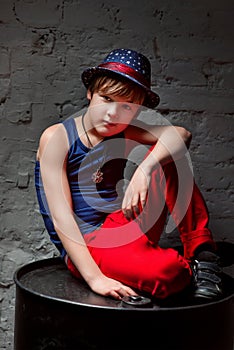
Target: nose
x,y
113,110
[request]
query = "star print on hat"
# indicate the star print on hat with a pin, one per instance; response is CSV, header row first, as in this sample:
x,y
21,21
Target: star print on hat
x,y
130,64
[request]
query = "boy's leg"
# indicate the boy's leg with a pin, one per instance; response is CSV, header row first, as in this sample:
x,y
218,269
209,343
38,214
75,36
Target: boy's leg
x,y
142,266
181,196
122,250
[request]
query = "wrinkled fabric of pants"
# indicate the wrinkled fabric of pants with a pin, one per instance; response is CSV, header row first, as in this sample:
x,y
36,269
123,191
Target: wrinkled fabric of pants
x,y
128,250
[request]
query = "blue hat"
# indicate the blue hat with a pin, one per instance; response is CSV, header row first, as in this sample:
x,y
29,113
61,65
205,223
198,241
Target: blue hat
x,y
129,64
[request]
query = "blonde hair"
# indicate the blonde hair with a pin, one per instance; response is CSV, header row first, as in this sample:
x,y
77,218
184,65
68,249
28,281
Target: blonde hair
x,y
123,87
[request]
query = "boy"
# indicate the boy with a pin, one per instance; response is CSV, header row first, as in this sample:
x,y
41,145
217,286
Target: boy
x,y
110,238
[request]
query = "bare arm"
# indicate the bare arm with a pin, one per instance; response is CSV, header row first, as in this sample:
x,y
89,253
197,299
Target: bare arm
x,y
52,154
169,143
172,141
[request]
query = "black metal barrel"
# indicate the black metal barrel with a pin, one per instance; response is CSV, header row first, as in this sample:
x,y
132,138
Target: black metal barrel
x,y
53,310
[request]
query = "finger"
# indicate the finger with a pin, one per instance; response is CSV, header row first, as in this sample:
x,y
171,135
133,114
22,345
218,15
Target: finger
x,y
126,291
124,202
131,206
115,295
130,291
119,293
136,210
128,214
143,203
126,208
135,205
129,192
143,198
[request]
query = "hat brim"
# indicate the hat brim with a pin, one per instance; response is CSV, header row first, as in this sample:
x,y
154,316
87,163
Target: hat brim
x,y
152,99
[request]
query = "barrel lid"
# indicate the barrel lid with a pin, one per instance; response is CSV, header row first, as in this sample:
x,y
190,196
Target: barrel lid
x,y
50,279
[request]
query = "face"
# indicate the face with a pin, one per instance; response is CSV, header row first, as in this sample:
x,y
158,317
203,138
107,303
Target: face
x,y
109,114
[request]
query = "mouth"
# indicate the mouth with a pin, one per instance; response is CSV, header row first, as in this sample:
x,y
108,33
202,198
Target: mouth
x,y
110,124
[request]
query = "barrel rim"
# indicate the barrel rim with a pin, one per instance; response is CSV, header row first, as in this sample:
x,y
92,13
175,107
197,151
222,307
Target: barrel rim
x,y
22,270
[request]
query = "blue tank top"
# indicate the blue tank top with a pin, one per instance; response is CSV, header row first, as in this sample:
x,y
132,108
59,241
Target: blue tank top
x,y
92,202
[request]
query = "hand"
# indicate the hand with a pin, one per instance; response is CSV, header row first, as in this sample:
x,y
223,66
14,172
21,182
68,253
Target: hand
x,y
109,287
136,194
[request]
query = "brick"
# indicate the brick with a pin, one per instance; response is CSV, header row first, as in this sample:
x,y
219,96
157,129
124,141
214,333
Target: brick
x,y
4,62
184,72
23,114
4,89
196,99
39,13
23,179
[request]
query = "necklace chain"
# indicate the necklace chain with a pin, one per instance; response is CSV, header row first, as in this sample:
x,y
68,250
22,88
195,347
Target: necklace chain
x,y
97,176
86,134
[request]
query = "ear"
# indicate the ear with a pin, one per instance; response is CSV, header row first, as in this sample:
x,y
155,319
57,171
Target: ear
x,y
89,95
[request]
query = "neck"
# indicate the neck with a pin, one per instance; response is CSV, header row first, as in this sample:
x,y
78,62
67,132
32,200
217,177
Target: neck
x,y
91,137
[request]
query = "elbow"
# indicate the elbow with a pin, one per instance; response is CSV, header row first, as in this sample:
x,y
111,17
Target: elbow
x,y
185,135
188,139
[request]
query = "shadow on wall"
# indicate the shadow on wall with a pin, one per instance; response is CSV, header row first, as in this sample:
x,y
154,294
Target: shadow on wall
x,y
224,249
226,253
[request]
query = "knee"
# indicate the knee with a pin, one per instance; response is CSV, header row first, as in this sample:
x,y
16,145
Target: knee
x,y
172,275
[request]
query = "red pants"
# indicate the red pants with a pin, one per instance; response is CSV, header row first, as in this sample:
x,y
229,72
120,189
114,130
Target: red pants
x,y
128,251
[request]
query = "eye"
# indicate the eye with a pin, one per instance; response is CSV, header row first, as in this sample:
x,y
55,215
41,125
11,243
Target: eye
x,y
106,98
127,107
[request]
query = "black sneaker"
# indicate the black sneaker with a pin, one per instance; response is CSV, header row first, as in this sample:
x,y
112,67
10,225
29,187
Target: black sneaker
x,y
207,280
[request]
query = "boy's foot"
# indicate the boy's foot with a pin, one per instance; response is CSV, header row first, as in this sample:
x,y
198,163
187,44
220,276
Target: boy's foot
x,y
207,277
